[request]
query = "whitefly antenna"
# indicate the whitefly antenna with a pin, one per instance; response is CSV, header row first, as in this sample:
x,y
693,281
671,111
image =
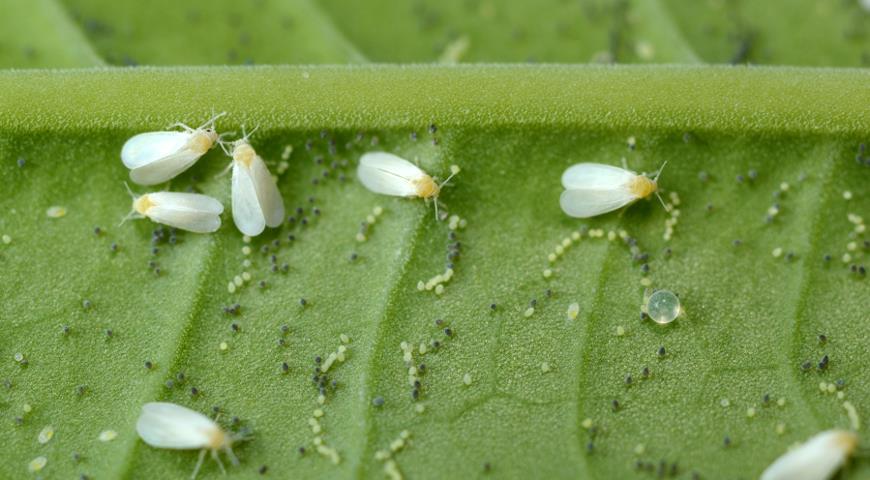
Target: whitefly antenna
x,y
246,136
132,210
667,209
210,121
454,169
655,179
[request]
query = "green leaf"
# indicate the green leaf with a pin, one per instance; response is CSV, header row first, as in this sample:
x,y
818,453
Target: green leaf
x,y
751,319
163,32
39,34
167,32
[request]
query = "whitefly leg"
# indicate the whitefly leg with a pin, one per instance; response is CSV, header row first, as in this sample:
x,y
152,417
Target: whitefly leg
x,y
182,125
214,455
198,464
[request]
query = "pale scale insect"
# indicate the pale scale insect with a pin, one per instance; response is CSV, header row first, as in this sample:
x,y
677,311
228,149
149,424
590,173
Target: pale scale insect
x,y
389,174
155,157
171,426
257,203
193,212
816,459
593,189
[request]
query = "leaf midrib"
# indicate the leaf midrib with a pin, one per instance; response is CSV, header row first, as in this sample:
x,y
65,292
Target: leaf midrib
x,y
724,99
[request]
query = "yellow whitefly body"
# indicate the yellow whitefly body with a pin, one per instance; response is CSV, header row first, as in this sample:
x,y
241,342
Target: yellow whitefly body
x,y
218,439
244,153
426,187
142,205
201,141
642,187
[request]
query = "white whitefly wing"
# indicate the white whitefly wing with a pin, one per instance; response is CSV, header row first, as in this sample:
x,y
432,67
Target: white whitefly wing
x,y
585,203
388,174
167,425
595,176
188,211
164,169
271,203
247,213
146,148
817,459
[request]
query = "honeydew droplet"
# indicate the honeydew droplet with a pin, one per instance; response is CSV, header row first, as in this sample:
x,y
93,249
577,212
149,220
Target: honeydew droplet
x,y
56,211
45,435
663,307
223,346
573,311
37,464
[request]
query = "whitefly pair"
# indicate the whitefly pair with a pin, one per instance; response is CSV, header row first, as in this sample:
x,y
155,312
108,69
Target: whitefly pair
x,y
157,157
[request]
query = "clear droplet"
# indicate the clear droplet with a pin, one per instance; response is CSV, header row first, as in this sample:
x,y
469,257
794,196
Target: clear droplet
x,y
663,307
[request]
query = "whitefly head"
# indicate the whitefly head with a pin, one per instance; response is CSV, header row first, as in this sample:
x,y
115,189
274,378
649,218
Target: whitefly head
x,y
240,150
203,138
